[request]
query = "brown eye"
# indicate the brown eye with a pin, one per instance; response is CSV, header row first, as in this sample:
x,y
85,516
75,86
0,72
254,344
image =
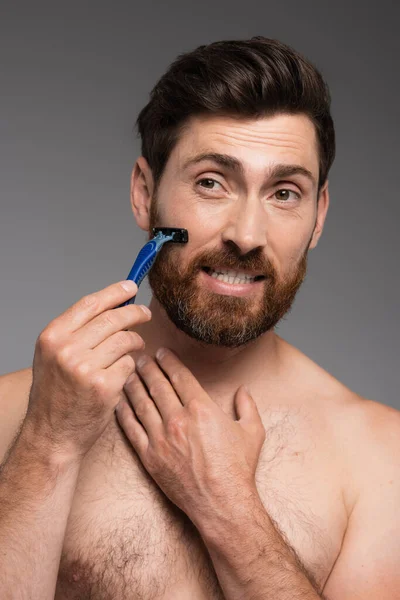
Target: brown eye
x,y
282,195
209,183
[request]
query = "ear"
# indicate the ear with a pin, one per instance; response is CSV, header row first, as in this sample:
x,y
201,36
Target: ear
x,y
322,209
142,186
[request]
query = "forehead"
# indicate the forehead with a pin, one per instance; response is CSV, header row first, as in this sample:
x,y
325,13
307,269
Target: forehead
x,y
256,143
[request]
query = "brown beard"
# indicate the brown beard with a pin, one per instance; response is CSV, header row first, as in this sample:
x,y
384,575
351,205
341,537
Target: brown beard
x,y
217,319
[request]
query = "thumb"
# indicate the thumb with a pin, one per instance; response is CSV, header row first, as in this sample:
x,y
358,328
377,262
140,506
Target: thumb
x,y
246,408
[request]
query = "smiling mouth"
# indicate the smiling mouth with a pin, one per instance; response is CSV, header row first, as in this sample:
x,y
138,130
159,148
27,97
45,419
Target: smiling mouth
x,y
231,276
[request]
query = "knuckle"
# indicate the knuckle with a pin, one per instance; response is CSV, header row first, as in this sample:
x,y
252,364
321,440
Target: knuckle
x,y
47,339
81,370
129,339
98,383
64,356
108,319
158,387
179,376
196,408
121,339
142,407
176,424
90,301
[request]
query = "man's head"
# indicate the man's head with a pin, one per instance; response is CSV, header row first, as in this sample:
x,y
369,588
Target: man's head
x,y
237,142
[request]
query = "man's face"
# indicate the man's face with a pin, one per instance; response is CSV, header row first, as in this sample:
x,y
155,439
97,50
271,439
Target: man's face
x,y
244,215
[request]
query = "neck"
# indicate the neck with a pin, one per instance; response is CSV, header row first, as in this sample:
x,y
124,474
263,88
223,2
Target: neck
x,y
218,369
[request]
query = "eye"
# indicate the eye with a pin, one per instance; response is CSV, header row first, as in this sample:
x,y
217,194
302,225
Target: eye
x,y
209,183
282,195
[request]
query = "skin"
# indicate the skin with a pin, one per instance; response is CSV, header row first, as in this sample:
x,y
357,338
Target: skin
x,y
168,422
82,359
198,465
200,418
206,463
246,215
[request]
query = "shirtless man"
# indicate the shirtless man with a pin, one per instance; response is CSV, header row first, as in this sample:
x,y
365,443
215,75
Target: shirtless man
x,y
291,490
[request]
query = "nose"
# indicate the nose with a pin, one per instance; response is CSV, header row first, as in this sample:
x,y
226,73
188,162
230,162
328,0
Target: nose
x,y
246,226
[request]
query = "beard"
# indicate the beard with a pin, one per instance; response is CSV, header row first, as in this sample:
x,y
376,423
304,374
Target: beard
x,y
217,319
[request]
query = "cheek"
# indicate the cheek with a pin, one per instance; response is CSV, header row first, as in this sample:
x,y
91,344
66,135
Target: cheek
x,y
285,251
202,220
289,233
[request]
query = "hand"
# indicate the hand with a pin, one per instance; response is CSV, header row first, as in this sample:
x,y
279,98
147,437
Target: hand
x,y
80,365
199,457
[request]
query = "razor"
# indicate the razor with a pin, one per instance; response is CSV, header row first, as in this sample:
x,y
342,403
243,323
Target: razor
x,y
147,255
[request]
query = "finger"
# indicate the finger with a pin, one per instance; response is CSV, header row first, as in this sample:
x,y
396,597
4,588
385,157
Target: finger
x,y
160,389
108,323
109,382
144,407
133,429
246,409
182,380
109,351
248,414
92,305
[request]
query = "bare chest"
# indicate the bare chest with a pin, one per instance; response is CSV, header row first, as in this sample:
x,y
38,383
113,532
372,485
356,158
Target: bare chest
x,y
125,539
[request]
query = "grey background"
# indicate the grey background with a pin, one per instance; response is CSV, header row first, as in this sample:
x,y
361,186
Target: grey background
x,y
74,76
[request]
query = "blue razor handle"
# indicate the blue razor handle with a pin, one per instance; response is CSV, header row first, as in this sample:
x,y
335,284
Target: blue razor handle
x,y
147,255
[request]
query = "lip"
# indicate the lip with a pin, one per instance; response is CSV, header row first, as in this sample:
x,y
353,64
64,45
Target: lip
x,y
221,268
229,289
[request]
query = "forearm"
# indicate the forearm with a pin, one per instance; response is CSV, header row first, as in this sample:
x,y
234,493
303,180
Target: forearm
x,y
36,491
251,559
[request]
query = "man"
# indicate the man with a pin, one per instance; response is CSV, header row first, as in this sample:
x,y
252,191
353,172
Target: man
x,y
200,489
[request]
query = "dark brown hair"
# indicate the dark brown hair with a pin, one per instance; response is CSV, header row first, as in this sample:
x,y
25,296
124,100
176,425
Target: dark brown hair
x,y
241,79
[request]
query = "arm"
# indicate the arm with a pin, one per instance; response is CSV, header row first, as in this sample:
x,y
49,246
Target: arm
x,y
368,567
253,561
205,463
33,487
251,558
81,362
14,395
36,491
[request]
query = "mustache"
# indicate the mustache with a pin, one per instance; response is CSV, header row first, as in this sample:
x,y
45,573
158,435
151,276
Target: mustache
x,y
230,259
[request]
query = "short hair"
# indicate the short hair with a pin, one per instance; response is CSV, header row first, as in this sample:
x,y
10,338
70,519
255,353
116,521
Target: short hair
x,y
253,78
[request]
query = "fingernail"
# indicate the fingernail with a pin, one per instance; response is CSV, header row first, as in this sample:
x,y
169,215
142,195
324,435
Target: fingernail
x,y
130,378
160,353
141,361
129,285
145,310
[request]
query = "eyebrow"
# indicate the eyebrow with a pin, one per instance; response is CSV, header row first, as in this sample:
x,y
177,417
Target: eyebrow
x,y
277,171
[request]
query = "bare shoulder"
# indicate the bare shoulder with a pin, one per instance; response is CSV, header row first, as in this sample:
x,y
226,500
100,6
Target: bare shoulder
x,y
373,442
14,395
365,433
367,430
367,566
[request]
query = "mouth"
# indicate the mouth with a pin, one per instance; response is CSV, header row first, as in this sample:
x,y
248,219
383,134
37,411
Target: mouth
x,y
232,277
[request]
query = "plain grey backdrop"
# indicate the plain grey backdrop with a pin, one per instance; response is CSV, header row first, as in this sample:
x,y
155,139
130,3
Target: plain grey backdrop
x,y
74,76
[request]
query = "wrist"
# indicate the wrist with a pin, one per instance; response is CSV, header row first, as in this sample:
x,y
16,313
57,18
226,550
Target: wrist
x,y
219,523
37,442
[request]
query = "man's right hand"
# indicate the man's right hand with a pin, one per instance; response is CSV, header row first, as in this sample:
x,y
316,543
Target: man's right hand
x,y
82,360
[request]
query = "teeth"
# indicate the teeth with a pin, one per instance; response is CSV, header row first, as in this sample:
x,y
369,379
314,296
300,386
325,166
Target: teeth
x,y
231,277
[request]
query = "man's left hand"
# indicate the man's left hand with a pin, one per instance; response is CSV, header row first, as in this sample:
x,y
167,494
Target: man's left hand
x,y
198,455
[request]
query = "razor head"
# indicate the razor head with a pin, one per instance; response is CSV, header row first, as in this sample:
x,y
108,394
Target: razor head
x,y
179,235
